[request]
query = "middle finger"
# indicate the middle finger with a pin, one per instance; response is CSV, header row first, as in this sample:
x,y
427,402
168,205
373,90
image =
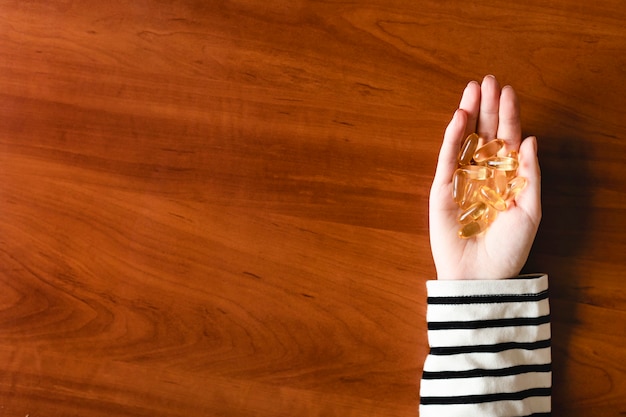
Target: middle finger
x,y
489,107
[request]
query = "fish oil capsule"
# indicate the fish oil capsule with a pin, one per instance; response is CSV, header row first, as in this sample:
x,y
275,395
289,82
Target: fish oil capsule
x,y
512,154
499,182
472,229
514,186
502,163
472,213
477,172
490,214
484,184
488,150
471,193
459,184
492,198
468,149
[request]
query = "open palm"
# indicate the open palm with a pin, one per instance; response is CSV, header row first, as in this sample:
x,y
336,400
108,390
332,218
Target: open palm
x,y
501,251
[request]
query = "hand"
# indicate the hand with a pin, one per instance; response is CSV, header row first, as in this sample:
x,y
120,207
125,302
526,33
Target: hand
x,y
502,250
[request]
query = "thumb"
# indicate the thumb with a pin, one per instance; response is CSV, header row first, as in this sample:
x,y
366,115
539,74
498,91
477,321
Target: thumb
x,y
530,198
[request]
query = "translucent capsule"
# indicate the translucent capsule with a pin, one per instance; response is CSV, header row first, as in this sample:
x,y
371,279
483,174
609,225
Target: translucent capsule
x,y
468,149
492,198
459,184
490,214
471,193
484,184
488,150
502,163
499,182
514,186
472,213
477,172
472,229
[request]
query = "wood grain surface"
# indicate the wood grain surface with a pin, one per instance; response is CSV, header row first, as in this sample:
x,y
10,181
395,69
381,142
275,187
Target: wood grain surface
x,y
219,208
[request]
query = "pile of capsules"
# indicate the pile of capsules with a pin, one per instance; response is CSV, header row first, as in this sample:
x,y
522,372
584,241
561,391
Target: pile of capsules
x,y
484,184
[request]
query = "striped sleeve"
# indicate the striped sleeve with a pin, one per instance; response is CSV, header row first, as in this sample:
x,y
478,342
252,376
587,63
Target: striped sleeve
x,y
489,349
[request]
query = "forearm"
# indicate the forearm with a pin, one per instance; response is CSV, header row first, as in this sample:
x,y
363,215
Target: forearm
x,y
490,348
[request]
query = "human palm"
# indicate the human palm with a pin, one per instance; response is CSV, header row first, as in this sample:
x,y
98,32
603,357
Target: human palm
x,y
502,250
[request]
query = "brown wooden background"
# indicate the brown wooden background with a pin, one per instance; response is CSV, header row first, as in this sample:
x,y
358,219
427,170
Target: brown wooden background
x,y
219,208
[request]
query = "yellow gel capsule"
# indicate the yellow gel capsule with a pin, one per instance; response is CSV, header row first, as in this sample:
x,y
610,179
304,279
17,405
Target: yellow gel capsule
x,y
492,198
471,193
514,186
499,182
476,172
472,229
489,216
472,213
502,163
459,184
467,149
488,150
512,154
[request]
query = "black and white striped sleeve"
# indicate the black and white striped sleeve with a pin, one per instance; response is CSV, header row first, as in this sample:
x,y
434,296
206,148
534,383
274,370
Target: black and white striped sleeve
x,y
489,349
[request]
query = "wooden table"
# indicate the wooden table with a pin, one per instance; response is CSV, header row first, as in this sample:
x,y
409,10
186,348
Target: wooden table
x,y
219,208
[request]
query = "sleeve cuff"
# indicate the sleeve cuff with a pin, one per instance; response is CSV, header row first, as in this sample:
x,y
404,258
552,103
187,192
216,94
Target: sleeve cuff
x,y
489,348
